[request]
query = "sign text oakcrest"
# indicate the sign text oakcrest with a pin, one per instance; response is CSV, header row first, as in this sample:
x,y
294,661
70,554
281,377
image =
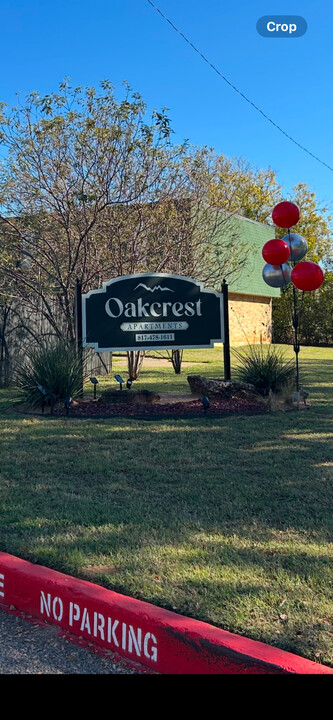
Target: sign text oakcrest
x,y
151,311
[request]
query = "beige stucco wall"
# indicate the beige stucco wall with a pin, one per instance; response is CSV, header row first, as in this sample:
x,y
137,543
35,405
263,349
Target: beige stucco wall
x,y
250,319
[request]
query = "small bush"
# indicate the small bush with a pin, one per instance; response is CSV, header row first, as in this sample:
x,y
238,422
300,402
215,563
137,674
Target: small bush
x,y
265,368
56,367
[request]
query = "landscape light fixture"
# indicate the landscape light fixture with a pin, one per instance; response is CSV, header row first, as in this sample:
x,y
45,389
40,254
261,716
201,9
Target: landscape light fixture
x,y
120,380
52,398
44,393
206,403
129,383
68,401
94,381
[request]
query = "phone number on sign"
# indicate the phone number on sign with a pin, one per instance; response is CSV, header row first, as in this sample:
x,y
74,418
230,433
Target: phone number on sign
x,y
154,338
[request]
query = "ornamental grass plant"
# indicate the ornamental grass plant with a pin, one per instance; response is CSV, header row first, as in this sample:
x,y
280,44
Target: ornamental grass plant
x,y
55,367
266,368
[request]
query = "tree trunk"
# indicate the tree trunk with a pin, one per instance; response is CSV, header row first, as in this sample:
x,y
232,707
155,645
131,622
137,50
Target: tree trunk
x,y
176,359
135,360
4,353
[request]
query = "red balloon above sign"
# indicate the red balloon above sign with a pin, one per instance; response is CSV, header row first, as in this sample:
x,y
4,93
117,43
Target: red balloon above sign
x,y
276,252
307,276
285,214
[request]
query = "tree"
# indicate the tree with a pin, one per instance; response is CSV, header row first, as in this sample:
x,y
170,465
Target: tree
x,y
314,312
71,157
252,192
11,319
90,189
315,224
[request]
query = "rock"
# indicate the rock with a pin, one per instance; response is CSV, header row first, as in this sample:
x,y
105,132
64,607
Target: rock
x,y
128,397
220,387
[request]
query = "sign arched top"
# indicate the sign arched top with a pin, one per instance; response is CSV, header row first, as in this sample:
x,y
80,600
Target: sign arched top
x,y
152,311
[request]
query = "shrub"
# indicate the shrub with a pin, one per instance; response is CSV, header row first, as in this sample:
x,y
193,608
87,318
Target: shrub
x,y
266,368
56,367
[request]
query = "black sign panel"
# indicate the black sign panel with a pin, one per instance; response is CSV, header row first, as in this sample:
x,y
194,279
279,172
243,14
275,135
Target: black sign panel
x,y
151,311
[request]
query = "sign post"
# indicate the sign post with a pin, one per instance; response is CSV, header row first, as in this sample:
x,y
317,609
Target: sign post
x,y
226,344
78,326
152,311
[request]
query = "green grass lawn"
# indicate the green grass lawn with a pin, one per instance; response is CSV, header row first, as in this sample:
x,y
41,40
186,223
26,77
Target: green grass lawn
x,y
226,520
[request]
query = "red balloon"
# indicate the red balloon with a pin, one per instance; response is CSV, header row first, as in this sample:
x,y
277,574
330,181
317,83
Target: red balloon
x,y
307,275
276,252
285,214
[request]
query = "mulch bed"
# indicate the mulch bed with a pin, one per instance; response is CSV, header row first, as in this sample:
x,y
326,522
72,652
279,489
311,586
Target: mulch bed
x,y
193,408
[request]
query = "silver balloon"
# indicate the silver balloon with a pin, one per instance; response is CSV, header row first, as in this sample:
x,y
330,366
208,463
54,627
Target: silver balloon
x,y
298,246
277,276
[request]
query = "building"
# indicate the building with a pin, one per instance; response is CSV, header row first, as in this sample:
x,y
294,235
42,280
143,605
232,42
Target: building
x,y
250,298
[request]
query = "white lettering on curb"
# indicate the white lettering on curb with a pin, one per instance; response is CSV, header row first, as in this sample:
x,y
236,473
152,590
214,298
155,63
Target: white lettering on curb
x,y
57,603
85,623
99,623
112,627
134,640
2,585
130,638
152,654
56,608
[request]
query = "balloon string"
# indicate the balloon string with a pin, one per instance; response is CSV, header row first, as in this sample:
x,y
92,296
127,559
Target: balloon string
x,y
287,305
290,309
285,289
296,339
291,252
300,314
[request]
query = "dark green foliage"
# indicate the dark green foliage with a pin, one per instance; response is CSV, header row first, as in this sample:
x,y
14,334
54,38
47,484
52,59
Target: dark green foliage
x,y
56,367
314,313
265,367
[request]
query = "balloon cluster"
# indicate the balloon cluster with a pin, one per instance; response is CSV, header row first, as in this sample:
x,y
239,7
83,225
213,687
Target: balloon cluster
x,y
278,254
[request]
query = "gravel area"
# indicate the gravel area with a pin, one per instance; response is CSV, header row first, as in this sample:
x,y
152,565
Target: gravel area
x,y
30,648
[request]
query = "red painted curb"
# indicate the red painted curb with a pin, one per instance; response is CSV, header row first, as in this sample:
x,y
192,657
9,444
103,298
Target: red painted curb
x,y
161,640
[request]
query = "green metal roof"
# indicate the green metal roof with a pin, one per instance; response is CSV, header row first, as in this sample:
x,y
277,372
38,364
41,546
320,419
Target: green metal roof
x,y
249,279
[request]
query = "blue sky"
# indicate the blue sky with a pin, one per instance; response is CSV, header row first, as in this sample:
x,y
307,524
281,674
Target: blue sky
x,y
289,79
